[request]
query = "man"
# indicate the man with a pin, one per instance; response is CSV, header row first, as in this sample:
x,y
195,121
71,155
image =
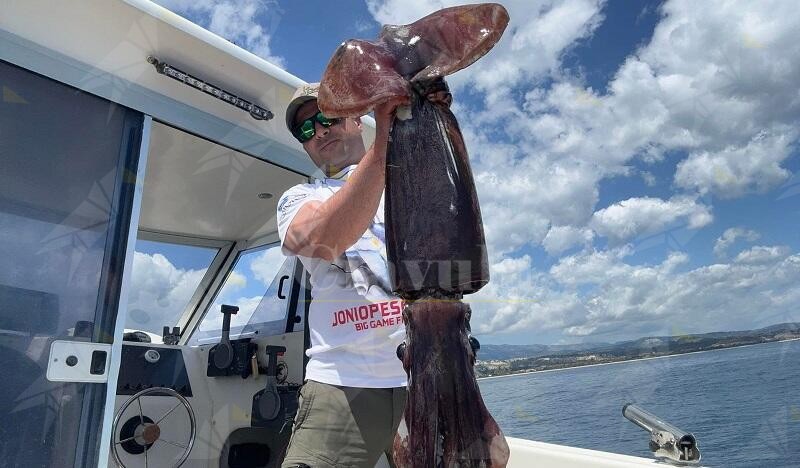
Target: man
x,y
354,394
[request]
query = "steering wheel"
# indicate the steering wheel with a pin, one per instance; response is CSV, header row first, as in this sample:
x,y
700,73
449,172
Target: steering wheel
x,y
141,435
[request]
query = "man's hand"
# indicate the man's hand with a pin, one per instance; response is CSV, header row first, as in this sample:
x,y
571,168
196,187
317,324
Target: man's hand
x,y
384,113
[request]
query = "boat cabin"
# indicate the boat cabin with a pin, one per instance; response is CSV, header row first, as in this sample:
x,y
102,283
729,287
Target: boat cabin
x,y
141,161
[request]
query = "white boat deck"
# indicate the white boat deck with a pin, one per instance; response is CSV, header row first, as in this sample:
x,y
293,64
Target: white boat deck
x,y
527,454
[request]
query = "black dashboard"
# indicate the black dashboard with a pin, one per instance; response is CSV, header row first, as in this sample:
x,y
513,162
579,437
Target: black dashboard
x,y
144,367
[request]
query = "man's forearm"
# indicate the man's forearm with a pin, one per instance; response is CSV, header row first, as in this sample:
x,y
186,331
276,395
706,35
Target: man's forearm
x,y
325,230
342,219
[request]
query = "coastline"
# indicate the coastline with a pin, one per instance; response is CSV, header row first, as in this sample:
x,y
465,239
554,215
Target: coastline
x,y
634,360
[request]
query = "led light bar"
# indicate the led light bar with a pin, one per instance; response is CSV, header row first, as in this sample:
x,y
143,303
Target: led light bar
x,y
255,111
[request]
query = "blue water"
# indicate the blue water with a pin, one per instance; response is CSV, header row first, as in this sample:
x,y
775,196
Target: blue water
x,y
742,404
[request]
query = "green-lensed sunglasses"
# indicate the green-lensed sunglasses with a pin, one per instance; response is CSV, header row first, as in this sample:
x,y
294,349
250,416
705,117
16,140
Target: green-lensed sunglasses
x,y
307,129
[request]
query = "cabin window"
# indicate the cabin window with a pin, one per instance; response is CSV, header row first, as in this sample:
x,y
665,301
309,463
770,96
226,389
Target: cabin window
x,y
59,150
259,285
61,217
165,278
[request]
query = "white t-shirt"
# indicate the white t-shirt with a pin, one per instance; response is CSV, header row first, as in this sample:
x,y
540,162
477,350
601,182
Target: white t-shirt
x,y
353,338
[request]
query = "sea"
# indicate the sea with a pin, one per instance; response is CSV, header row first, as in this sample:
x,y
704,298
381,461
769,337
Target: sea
x,y
742,404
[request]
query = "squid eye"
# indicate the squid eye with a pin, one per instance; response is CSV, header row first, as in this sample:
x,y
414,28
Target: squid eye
x,y
401,350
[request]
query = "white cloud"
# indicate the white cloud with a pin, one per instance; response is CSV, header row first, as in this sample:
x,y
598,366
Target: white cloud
x,y
588,267
790,188
648,178
159,292
519,298
640,216
512,266
247,23
266,265
711,99
236,281
397,12
520,201
760,254
229,294
724,242
561,238
737,170
596,293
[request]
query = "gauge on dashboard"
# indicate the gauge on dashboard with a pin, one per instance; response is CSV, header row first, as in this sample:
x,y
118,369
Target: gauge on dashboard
x,y
152,356
283,372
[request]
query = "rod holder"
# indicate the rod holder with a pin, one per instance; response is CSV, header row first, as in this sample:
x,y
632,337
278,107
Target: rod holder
x,y
666,441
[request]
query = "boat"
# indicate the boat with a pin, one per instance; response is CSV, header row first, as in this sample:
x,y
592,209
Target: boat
x,y
125,124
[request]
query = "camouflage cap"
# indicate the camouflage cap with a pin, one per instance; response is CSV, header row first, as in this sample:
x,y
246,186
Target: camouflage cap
x,y
304,93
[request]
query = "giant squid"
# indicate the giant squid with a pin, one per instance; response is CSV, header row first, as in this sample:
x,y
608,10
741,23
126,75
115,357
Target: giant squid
x,y
435,243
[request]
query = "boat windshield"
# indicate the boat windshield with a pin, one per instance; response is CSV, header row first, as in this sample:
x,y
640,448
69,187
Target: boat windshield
x,y
258,285
165,277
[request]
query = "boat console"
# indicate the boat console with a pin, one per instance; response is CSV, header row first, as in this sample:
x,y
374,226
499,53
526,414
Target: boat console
x,y
240,409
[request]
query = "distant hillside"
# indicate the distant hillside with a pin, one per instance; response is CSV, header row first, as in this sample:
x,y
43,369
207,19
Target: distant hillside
x,y
495,360
490,352
650,344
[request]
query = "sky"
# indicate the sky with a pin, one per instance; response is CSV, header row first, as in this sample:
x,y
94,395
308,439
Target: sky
x,y
636,162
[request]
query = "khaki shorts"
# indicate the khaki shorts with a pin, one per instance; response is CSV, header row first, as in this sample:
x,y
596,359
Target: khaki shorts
x,y
337,427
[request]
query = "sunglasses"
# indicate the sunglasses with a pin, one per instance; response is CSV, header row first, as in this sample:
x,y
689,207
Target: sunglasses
x,y
307,129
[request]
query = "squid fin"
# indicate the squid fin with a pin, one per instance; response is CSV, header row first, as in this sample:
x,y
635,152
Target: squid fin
x,y
360,75
445,41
